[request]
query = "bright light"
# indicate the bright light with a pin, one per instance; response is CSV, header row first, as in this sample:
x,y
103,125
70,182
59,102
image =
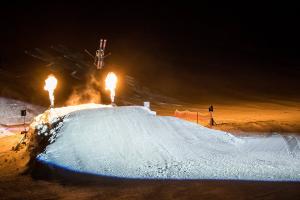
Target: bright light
x,y
50,85
111,84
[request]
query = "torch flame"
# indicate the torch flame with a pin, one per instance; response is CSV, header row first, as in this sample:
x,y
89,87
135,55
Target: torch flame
x,y
50,85
111,84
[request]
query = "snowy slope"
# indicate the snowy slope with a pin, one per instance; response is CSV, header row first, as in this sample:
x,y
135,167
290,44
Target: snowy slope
x,y
10,111
134,143
10,115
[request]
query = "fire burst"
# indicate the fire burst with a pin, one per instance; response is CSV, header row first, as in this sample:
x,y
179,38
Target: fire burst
x,y
111,84
50,85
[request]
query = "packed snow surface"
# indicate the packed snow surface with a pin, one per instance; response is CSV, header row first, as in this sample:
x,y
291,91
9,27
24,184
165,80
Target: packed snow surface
x,y
133,142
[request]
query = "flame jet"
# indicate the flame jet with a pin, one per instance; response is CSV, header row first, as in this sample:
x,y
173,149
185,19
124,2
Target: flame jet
x,y
50,85
111,84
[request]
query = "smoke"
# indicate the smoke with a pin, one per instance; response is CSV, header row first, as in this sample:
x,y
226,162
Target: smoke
x,y
89,93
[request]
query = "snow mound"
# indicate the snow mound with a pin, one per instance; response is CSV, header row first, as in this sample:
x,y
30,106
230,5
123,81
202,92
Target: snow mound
x,y
133,142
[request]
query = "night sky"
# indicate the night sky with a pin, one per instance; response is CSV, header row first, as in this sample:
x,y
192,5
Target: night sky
x,y
252,48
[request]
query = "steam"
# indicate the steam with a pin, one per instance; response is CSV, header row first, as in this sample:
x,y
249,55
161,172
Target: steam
x,y
50,85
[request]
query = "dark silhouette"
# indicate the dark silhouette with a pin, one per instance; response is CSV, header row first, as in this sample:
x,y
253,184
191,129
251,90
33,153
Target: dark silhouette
x,y
211,121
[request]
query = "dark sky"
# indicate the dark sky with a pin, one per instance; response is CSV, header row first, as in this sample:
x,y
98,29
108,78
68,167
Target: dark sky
x,y
236,44
187,30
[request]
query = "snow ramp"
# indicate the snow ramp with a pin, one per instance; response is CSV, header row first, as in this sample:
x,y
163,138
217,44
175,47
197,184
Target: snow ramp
x,y
132,142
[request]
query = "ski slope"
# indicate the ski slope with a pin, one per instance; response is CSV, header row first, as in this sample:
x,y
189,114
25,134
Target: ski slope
x,y
10,111
11,120
132,142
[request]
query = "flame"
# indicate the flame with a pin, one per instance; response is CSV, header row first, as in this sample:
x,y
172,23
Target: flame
x,y
111,84
50,85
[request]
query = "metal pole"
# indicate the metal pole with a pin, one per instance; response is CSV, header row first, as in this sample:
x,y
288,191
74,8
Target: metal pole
x,y
211,119
24,124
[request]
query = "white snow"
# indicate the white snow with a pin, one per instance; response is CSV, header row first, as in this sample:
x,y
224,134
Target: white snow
x,y
133,142
10,115
10,111
52,115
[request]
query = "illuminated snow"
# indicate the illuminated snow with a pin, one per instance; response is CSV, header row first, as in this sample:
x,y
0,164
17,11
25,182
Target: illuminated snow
x,y
133,142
